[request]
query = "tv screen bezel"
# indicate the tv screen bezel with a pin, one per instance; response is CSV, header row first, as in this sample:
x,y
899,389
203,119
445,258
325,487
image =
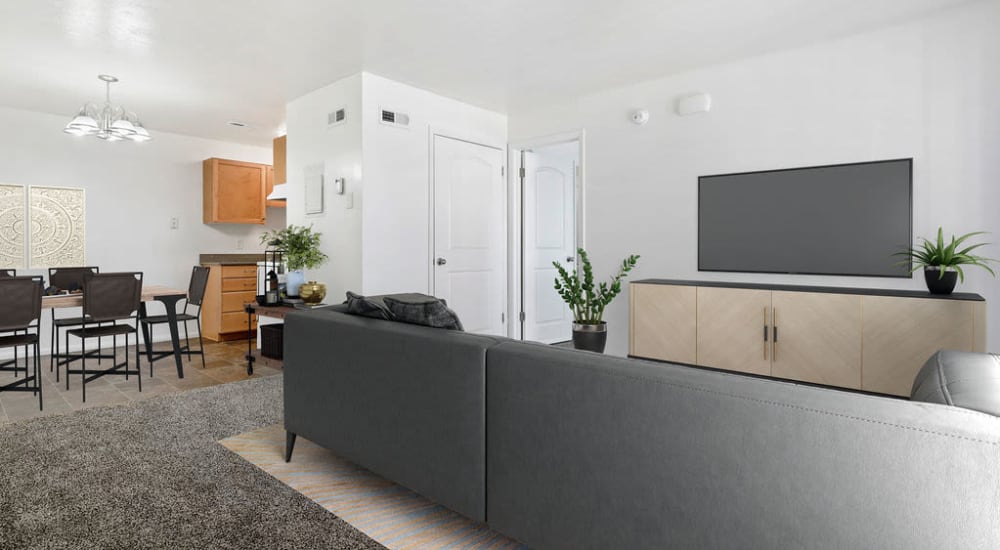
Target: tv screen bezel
x,y
909,265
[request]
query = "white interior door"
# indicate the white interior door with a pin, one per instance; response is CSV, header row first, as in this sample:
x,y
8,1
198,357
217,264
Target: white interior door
x,y
470,267
549,234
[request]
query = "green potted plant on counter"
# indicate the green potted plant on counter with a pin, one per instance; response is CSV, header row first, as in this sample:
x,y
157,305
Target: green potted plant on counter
x,y
587,301
301,251
942,260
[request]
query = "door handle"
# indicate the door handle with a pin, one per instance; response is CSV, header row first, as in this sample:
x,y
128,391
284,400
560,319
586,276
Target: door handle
x,y
441,261
774,331
765,333
570,259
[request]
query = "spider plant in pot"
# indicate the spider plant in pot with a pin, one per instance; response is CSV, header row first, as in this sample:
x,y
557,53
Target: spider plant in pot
x,y
587,300
942,260
301,251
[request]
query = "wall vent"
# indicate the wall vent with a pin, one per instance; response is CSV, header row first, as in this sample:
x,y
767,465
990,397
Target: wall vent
x,y
394,118
333,118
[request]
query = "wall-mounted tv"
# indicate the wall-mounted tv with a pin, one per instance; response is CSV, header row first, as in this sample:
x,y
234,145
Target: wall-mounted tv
x,y
845,219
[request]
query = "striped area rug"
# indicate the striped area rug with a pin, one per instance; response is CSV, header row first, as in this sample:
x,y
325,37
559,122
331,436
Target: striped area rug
x,y
392,515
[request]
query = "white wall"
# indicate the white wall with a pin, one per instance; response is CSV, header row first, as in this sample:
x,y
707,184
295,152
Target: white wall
x,y
338,148
397,213
926,89
132,189
381,243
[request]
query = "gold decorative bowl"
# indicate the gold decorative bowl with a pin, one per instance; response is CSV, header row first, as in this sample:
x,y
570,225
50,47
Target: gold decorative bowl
x,y
312,292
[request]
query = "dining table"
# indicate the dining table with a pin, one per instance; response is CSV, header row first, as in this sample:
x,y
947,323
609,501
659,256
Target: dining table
x,y
166,295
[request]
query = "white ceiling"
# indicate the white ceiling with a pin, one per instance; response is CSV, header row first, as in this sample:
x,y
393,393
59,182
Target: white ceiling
x,y
189,66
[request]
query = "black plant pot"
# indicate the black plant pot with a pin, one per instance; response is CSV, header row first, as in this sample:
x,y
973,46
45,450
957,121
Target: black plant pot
x,y
938,284
590,337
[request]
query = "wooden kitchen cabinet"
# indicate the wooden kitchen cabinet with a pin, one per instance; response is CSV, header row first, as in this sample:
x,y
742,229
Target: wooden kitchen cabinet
x,y
269,185
731,324
229,288
280,159
277,172
233,191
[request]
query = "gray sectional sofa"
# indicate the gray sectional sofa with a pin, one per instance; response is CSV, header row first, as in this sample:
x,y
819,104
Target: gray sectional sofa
x,y
567,449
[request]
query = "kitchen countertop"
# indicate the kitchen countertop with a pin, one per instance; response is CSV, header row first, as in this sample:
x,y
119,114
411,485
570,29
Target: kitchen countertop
x,y
230,259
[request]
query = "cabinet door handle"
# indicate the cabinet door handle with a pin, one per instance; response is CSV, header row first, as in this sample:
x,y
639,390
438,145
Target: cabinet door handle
x,y
774,329
765,333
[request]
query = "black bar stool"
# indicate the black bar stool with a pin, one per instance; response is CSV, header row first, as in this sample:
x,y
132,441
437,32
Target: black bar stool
x,y
20,313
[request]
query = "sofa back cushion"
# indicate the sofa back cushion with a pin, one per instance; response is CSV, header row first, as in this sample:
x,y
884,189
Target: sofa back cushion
x,y
590,451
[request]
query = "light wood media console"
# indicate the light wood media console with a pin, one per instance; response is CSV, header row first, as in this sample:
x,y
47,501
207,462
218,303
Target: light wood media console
x,y
862,339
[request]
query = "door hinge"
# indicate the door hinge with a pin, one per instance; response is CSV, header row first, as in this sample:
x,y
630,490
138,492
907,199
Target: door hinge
x,y
503,318
502,171
522,172
521,317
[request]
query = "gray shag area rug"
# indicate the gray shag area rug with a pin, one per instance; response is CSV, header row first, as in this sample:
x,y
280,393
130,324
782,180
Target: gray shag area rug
x,y
150,474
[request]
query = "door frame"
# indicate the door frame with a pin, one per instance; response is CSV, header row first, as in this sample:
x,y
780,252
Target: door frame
x,y
515,184
483,141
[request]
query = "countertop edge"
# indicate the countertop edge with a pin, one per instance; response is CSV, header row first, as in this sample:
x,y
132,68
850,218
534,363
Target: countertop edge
x,y
230,259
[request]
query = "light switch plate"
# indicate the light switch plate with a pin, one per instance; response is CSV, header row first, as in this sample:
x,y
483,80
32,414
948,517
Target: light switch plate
x,y
349,201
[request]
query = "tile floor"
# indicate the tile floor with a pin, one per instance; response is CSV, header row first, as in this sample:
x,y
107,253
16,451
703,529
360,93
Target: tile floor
x,y
224,362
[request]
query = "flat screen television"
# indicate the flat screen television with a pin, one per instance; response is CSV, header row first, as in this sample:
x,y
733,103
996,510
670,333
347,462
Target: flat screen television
x,y
845,219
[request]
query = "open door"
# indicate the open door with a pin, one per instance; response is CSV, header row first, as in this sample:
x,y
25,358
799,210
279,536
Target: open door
x,y
548,196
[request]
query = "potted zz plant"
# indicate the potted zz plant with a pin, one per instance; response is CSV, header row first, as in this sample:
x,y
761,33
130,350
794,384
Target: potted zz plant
x,y
587,301
942,260
301,251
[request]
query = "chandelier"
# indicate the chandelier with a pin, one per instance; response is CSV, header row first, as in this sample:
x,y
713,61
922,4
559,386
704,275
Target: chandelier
x,y
108,122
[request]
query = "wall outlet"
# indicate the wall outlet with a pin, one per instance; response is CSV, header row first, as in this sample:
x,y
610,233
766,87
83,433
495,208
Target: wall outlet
x,y
239,244
174,223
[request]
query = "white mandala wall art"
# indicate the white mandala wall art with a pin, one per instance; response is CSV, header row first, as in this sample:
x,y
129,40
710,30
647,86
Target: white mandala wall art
x,y
12,235
57,216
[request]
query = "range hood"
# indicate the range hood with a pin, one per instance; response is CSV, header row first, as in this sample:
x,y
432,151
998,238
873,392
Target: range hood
x,y
278,193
